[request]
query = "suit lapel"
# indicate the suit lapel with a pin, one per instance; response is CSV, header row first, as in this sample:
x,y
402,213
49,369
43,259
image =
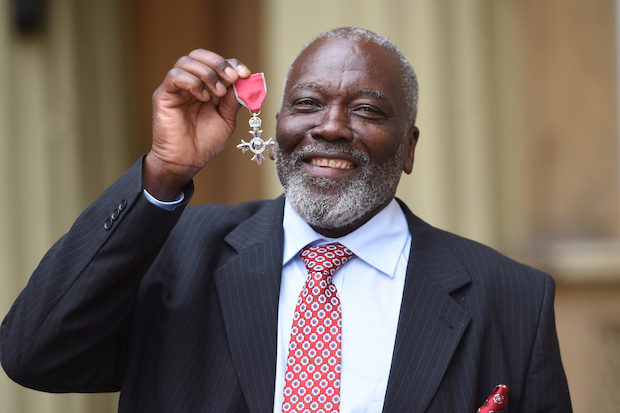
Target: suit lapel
x,y
248,286
431,323
430,326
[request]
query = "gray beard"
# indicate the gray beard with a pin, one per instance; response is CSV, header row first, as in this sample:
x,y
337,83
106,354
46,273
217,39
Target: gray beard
x,y
338,203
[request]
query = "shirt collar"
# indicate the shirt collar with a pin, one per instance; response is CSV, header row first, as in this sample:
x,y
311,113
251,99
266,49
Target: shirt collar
x,y
379,242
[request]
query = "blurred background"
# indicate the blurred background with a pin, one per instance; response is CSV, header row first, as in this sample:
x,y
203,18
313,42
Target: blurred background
x,y
519,145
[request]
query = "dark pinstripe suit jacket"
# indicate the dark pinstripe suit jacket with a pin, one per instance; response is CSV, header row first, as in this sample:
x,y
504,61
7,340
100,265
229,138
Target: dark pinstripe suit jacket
x,y
178,310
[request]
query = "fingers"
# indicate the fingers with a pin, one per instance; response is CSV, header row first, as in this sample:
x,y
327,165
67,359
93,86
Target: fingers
x,y
229,69
239,67
204,74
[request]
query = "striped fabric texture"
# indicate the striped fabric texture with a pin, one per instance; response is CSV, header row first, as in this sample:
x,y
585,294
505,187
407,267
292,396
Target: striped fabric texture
x,y
178,311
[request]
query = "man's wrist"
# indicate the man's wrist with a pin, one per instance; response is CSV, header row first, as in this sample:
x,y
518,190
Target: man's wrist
x,y
160,183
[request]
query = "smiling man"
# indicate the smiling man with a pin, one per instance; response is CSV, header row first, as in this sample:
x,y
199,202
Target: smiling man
x,y
345,132
331,298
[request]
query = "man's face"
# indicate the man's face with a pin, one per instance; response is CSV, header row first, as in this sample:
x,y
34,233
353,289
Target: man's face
x,y
343,134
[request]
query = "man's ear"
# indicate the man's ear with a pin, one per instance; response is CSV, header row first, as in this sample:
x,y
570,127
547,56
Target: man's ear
x,y
412,140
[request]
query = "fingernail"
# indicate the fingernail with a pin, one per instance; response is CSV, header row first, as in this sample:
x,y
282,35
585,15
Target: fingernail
x,y
243,69
231,73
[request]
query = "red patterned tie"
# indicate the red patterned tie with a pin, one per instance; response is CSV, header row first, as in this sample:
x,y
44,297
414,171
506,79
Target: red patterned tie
x,y
312,380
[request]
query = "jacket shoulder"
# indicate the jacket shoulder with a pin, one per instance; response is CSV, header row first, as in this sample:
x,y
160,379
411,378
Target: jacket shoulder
x,y
483,259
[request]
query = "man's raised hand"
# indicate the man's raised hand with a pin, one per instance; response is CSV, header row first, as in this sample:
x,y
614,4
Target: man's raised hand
x,y
193,117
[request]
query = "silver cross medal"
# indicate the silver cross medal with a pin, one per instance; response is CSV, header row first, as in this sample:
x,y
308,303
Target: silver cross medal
x,y
251,92
257,145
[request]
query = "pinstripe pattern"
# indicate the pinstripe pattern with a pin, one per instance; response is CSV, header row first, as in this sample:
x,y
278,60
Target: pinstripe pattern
x,y
179,310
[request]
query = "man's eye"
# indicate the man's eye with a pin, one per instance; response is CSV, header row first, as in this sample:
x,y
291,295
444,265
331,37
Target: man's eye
x,y
306,105
305,102
368,111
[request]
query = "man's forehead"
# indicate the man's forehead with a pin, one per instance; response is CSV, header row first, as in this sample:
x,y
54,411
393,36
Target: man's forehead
x,y
324,48
366,68
339,54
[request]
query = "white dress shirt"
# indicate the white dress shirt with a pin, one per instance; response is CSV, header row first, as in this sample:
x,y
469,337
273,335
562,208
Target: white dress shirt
x,y
370,288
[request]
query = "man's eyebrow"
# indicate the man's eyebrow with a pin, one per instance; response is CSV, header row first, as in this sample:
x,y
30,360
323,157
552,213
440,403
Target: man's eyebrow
x,y
306,86
377,94
373,93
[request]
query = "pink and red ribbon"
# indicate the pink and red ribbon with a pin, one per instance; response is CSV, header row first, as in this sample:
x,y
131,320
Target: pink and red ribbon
x,y
251,91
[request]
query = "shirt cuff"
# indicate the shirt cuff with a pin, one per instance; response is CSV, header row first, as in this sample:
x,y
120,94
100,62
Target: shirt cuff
x,y
167,205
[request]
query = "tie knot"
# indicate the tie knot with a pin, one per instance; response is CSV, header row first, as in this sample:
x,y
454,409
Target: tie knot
x,y
325,258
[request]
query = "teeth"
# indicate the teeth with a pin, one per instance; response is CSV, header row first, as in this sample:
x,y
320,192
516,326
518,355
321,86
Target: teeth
x,y
331,163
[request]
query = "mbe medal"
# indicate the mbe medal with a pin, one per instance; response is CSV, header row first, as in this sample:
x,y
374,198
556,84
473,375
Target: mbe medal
x,y
251,92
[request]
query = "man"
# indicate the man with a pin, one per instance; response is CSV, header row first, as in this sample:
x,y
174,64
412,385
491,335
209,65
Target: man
x,y
189,309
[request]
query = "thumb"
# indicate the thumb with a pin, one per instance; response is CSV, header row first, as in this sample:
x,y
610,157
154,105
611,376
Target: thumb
x,y
228,106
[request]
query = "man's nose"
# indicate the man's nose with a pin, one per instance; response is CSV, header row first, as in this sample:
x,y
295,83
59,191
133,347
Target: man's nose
x,y
333,125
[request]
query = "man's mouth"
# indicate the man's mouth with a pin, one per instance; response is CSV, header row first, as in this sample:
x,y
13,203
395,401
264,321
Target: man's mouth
x,y
331,163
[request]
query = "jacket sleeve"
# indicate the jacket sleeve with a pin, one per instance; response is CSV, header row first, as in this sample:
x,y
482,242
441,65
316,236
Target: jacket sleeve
x,y
546,388
67,329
